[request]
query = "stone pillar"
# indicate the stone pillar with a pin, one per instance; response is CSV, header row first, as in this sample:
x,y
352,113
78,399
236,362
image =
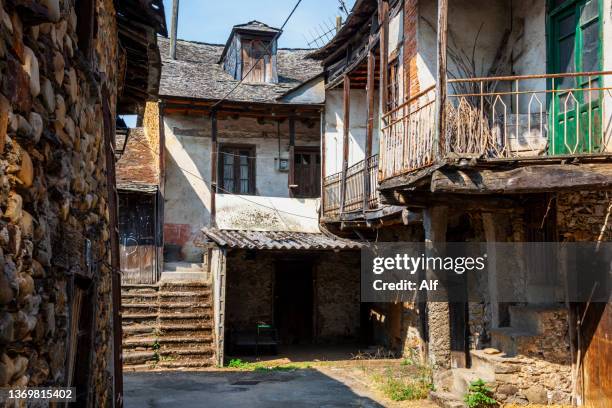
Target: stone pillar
x,y
435,220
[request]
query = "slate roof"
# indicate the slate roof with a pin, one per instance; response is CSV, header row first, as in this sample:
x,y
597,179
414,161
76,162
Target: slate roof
x,y
136,169
256,26
196,74
277,240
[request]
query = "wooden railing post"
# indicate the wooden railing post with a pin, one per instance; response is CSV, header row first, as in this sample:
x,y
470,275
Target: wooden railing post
x,y
369,129
441,80
345,138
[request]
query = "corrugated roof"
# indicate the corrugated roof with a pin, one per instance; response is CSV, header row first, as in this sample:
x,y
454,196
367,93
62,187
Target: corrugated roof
x,y
277,240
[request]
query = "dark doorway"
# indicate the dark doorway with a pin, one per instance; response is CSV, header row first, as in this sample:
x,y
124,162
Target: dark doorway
x,y
293,301
307,172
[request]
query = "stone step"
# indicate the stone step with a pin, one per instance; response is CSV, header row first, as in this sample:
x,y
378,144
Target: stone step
x,y
130,298
179,353
184,267
192,363
139,287
135,368
185,286
142,343
139,308
193,317
137,329
184,276
446,400
184,308
462,377
494,363
128,319
139,357
513,341
534,318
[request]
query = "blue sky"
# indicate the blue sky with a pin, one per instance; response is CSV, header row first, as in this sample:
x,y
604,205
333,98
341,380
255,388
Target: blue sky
x,y
212,20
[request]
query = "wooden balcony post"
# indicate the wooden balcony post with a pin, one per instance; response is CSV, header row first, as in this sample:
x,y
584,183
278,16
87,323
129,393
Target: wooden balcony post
x,y
441,78
369,129
383,13
345,137
292,185
213,168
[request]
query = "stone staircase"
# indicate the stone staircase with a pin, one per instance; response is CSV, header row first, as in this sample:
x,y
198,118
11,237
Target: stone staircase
x,y
168,326
518,353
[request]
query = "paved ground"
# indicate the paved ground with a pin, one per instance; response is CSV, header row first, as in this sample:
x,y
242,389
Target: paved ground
x,y
293,389
326,387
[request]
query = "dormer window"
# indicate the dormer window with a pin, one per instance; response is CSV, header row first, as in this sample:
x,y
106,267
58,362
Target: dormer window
x,y
250,53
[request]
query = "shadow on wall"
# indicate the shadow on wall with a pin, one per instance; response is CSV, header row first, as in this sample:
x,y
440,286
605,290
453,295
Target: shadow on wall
x,y
185,212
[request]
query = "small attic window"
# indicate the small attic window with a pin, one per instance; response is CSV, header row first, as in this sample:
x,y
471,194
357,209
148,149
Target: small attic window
x,y
257,61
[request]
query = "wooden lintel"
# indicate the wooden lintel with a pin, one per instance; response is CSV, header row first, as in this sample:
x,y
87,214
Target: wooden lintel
x,y
530,179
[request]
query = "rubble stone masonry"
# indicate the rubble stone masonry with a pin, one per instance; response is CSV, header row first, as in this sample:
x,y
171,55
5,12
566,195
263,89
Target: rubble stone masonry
x,y
54,218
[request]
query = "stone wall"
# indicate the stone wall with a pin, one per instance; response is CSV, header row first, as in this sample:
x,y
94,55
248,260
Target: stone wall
x,y
53,194
584,216
250,292
338,291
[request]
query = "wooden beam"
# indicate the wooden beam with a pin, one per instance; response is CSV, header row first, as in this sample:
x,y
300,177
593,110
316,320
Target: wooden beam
x,y
370,127
531,179
383,13
345,137
441,77
213,169
291,155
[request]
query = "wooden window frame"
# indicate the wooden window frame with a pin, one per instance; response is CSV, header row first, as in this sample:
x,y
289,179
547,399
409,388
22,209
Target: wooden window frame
x,y
252,166
393,83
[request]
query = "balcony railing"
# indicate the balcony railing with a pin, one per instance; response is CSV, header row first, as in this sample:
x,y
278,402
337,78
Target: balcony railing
x,y
501,117
408,135
359,191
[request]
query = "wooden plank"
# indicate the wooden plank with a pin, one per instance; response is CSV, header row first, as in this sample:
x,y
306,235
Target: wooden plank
x,y
597,360
291,177
538,178
345,136
213,168
384,53
441,76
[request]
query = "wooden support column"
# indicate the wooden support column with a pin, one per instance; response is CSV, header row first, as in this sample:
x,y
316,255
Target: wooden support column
x,y
345,137
369,129
383,13
323,160
441,78
435,220
291,178
213,168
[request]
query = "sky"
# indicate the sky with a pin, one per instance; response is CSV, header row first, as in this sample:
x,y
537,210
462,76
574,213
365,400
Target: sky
x,y
211,20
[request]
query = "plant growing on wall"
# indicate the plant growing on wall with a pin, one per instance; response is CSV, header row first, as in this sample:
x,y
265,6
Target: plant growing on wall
x,y
480,396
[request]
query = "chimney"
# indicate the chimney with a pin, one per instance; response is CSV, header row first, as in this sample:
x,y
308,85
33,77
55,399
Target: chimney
x,y
175,8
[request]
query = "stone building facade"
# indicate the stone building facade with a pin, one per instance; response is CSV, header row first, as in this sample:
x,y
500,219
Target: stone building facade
x,y
61,82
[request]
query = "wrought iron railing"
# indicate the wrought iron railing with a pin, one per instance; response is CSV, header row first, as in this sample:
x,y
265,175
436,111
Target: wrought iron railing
x,y
501,117
359,191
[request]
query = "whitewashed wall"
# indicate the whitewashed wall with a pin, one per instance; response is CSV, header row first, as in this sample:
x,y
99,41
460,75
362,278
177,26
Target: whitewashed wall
x,y
188,167
334,128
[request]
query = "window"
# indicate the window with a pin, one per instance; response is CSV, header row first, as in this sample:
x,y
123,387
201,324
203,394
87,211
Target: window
x,y
307,172
256,58
237,169
393,85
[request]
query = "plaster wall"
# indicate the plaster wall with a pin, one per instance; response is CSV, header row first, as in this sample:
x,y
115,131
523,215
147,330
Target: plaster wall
x,y
188,170
334,128
311,92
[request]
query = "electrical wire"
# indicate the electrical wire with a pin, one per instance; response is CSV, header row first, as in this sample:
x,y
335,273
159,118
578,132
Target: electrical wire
x,y
209,185
267,50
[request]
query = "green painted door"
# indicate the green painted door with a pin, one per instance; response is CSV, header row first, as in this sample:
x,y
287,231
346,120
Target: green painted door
x,y
575,47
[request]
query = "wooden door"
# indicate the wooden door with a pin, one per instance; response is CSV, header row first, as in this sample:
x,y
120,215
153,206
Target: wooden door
x,y
307,172
137,238
598,356
575,47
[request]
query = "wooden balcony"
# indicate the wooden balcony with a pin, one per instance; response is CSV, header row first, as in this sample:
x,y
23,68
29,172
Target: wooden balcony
x,y
500,118
353,192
